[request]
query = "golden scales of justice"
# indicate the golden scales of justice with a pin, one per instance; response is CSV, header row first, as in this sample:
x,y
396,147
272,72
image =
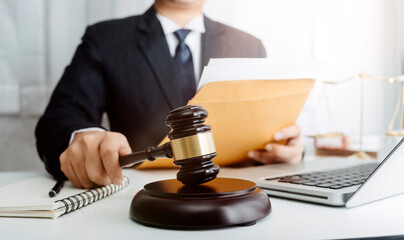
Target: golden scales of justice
x,y
390,132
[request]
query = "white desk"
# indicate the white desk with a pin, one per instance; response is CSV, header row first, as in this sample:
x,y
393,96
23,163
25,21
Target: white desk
x,y
109,218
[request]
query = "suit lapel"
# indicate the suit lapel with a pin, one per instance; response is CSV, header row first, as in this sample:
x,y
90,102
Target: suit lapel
x,y
213,42
154,46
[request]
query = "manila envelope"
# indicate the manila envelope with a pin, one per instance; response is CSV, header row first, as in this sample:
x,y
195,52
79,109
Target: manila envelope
x,y
245,114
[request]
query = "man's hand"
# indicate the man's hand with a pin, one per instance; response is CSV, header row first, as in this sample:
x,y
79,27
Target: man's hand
x,y
277,153
92,158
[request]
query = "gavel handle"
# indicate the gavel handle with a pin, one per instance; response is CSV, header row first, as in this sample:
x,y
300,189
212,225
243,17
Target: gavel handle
x,y
150,153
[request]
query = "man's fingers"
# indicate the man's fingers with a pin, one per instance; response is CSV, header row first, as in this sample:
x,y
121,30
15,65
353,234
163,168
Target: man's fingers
x,y
294,141
76,161
125,150
81,173
277,153
84,150
92,159
95,168
109,152
73,161
262,156
67,169
287,133
283,153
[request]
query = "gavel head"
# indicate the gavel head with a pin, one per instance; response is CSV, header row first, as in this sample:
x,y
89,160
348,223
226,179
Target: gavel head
x,y
192,145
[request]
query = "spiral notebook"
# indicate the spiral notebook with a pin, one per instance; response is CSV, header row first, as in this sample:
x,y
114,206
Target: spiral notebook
x,y
29,198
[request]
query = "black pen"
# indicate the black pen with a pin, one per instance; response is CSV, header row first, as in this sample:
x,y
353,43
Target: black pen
x,y
55,190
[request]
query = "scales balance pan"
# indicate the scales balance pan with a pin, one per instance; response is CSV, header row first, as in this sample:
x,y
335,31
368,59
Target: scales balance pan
x,y
196,199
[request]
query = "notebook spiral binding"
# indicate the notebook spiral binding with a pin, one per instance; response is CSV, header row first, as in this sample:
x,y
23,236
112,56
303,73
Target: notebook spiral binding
x,y
85,198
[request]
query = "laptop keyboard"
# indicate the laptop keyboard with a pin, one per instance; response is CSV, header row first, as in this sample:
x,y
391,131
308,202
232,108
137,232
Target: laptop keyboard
x,y
332,179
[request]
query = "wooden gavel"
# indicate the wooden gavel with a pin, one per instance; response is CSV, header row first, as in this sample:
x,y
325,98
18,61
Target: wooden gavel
x,y
191,145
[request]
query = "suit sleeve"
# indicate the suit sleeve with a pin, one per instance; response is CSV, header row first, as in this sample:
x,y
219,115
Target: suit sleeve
x,y
77,102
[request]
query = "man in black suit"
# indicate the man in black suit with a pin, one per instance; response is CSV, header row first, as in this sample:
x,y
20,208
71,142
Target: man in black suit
x,y
134,70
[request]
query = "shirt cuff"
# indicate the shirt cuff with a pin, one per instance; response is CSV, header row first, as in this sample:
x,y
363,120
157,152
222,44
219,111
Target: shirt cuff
x,y
85,130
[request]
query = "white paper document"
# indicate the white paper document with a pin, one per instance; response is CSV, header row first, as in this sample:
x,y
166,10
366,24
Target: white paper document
x,y
230,69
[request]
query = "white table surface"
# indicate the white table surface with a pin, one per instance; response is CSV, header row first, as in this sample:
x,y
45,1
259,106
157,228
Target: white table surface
x,y
109,218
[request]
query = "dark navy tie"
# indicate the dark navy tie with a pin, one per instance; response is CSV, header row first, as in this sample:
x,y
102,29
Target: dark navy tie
x,y
185,66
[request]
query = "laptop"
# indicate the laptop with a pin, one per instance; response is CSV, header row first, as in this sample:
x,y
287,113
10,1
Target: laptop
x,y
334,181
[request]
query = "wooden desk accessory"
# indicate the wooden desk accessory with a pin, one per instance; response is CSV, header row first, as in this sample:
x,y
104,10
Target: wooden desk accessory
x,y
196,199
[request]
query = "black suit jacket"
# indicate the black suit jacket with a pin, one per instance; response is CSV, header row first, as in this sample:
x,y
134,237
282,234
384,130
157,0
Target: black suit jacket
x,y
124,68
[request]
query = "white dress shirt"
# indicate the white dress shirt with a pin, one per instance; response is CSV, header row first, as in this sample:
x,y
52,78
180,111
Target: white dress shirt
x,y
193,40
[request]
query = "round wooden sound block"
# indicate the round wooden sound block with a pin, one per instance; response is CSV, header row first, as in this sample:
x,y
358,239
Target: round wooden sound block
x,y
221,202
